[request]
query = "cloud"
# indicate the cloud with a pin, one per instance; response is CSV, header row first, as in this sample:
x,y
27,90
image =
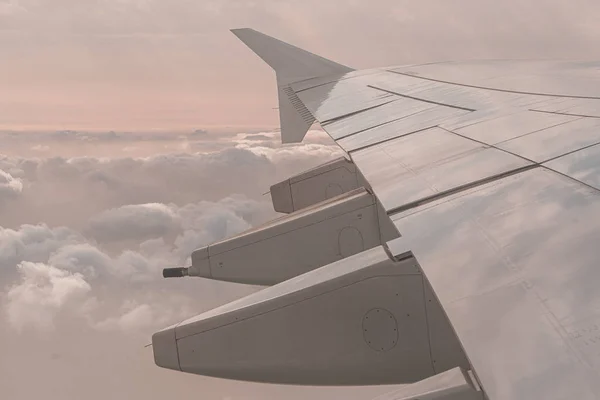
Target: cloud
x,y
68,191
61,273
40,148
42,293
199,133
194,223
144,313
139,221
34,243
137,317
10,186
113,136
112,223
81,258
82,282
258,137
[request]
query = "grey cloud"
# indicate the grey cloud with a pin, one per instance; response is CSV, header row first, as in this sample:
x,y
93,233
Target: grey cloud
x,y
199,133
69,191
258,137
208,221
140,221
110,136
81,258
33,243
94,185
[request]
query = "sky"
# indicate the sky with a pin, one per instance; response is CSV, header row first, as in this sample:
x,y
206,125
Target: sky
x,y
134,131
156,65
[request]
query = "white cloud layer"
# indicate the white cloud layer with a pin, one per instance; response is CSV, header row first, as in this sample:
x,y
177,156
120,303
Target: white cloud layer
x,y
70,190
134,221
88,237
42,293
55,268
10,186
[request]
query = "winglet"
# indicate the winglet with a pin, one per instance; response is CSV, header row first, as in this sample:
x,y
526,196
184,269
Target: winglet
x,y
291,64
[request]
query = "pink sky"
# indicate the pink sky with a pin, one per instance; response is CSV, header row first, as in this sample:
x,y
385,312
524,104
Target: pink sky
x,y
148,64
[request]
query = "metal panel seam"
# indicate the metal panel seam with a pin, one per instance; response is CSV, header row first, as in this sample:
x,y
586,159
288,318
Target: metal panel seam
x,y
460,188
389,139
494,89
565,113
336,119
567,176
532,132
342,78
291,194
491,146
321,173
420,99
427,322
383,123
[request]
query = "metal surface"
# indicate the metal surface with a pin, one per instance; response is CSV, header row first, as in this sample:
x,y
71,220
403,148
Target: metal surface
x,y
315,185
427,163
440,93
478,116
380,329
290,63
310,83
583,107
507,127
446,351
553,142
295,120
583,165
294,244
333,100
427,118
455,384
370,118
309,330
566,78
513,263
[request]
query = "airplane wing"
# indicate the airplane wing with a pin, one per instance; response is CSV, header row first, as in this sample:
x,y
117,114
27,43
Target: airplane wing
x,y
456,246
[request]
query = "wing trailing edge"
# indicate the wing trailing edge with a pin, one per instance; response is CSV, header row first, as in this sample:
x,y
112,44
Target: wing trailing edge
x,y
291,64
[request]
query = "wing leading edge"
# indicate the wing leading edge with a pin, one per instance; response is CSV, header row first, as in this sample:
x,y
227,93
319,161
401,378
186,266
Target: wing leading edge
x,y
485,173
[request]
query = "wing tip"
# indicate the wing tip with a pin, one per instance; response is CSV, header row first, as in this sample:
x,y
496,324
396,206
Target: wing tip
x,y
241,31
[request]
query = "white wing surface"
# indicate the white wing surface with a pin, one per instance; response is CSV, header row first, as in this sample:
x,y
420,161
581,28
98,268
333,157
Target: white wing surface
x,y
490,175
